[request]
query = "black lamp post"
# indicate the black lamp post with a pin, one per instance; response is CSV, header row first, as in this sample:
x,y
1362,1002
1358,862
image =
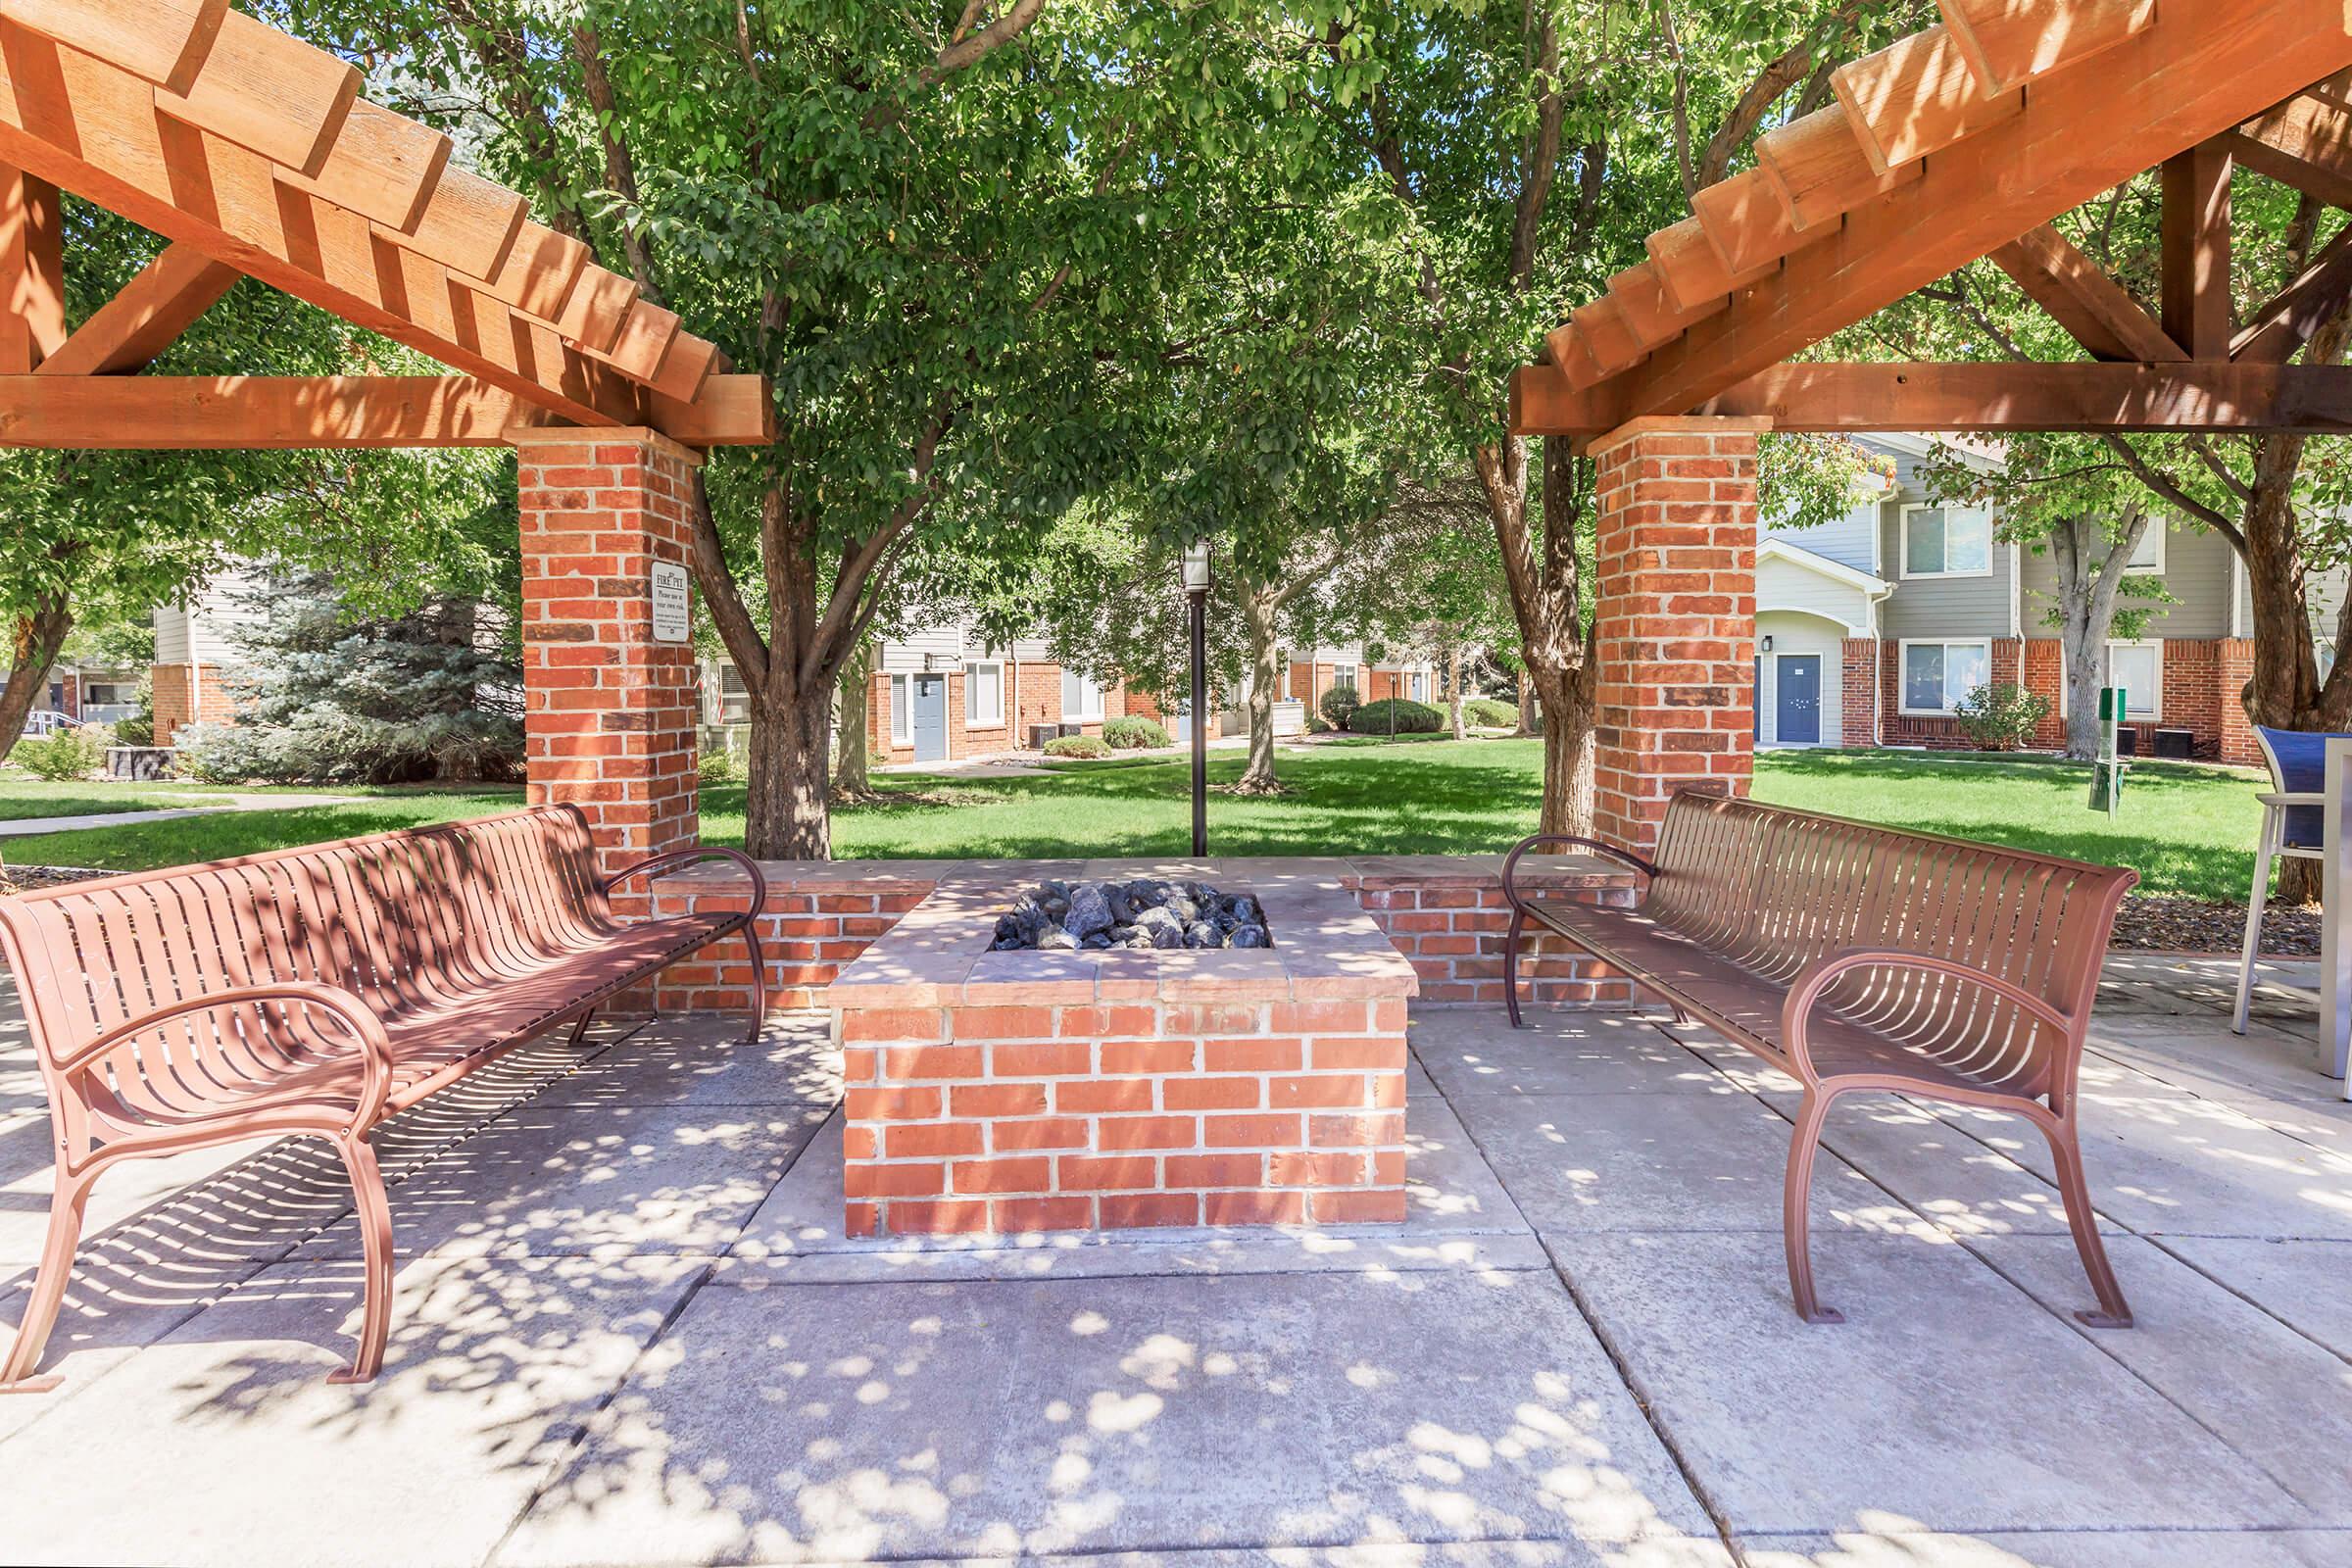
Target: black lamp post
x,y
1196,588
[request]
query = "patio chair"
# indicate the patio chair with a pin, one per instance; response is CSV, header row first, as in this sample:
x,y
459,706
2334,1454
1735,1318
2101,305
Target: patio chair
x,y
2292,824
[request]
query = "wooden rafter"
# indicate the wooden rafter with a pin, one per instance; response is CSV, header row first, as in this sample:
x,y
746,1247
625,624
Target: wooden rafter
x,y
32,278
2183,395
2330,182
153,309
2196,250
2113,89
142,413
2283,327
2093,307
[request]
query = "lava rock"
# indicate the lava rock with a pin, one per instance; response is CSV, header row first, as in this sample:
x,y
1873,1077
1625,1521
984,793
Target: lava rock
x,y
1055,940
1251,936
1090,911
1182,908
1201,934
1161,927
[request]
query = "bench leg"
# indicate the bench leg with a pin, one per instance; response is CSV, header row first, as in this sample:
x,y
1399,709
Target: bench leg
x,y
48,1287
1795,1210
580,1029
750,944
2255,898
1510,965
2066,1151
375,1239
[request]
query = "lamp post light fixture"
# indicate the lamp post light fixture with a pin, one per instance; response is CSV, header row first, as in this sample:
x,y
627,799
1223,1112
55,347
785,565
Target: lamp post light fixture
x,y
1197,580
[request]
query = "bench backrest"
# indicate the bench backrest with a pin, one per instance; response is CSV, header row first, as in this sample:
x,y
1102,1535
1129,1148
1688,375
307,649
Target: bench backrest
x,y
405,919
1775,889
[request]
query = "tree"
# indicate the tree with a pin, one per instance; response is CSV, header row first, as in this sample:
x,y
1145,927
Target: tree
x,y
1513,188
1444,595
943,236
2052,493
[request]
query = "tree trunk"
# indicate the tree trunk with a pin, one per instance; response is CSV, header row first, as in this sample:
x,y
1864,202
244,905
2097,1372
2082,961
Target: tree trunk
x,y
784,801
1527,704
850,746
2090,572
1568,751
1257,615
31,651
1453,691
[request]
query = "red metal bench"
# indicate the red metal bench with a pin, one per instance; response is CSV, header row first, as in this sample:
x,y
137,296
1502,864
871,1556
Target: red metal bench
x,y
316,990
1854,956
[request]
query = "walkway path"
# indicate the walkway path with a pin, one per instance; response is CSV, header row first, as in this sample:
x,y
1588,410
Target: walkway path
x,y
231,801
629,1331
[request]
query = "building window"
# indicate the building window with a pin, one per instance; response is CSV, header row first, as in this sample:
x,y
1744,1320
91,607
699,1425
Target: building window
x,y
1343,675
2139,668
1936,675
902,718
2149,553
1946,542
1081,699
983,694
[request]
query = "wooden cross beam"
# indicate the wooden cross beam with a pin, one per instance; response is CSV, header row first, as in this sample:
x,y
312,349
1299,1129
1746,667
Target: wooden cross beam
x,y
2196,250
153,309
154,413
32,272
2213,395
2093,307
2302,308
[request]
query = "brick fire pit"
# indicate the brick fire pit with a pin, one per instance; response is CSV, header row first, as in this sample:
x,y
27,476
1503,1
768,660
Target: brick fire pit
x,y
1020,1090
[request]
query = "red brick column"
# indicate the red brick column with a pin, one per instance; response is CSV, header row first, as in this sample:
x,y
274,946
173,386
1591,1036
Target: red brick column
x,y
1860,703
2233,664
1674,617
608,709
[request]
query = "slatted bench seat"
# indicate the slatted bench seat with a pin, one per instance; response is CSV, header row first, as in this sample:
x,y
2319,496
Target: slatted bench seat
x,y
1853,957
316,990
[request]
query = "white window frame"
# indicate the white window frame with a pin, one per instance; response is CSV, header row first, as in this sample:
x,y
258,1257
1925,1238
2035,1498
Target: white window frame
x,y
901,712
1902,672
1416,685
971,667
1902,544
1084,715
2157,529
2155,712
1343,675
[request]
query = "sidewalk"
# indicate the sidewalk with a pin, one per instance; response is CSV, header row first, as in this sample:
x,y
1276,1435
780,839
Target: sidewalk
x,y
231,801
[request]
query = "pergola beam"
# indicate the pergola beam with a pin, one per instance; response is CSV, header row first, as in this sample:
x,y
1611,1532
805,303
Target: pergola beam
x,y
2093,307
150,412
2189,396
32,273
138,323
2196,249
2302,308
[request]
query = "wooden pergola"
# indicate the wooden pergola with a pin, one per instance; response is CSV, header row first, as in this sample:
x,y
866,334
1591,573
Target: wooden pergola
x,y
1965,141
254,155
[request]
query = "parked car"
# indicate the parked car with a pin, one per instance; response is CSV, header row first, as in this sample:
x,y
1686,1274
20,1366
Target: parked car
x,y
48,721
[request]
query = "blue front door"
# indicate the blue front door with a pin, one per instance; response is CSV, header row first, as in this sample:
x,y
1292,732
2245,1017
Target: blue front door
x,y
930,718
1798,712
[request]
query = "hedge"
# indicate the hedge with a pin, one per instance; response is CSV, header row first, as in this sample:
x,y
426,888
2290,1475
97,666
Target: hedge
x,y
1398,715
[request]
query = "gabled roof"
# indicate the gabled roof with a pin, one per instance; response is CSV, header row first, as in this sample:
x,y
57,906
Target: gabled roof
x,y
1774,549
255,154
1941,148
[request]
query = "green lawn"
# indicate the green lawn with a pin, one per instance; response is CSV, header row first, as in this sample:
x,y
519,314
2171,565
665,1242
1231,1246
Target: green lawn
x,y
2187,830
23,799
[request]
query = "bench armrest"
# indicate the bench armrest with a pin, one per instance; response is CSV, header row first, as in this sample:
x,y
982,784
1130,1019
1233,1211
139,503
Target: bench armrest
x,y
2272,799
1614,852
1810,981
656,864
345,1007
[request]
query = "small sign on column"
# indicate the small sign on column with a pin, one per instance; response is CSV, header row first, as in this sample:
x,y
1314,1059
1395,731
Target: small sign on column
x,y
673,619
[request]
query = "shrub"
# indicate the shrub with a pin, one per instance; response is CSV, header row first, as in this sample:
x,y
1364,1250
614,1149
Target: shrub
x,y
2000,716
1488,713
1407,718
717,766
1134,734
1337,703
63,754
1085,746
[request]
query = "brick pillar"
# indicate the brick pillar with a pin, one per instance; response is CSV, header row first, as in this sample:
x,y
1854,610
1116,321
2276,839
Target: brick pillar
x,y
609,708
2233,664
1859,697
1674,617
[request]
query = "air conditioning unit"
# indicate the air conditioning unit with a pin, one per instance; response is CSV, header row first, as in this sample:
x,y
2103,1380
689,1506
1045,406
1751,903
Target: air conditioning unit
x,y
1038,734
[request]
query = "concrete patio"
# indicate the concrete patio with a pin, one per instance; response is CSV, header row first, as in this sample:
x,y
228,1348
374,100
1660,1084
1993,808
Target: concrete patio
x,y
630,1331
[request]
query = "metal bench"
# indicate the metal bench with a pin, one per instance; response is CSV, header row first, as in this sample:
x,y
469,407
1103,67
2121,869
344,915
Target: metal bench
x,y
316,990
1857,957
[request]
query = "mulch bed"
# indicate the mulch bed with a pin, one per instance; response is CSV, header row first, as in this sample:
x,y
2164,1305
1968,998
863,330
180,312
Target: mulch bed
x,y
25,878
2151,922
